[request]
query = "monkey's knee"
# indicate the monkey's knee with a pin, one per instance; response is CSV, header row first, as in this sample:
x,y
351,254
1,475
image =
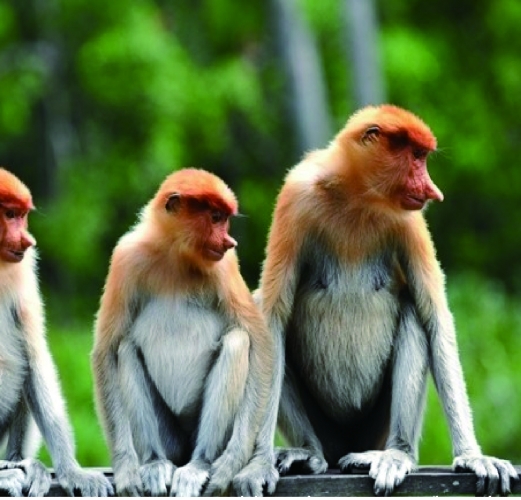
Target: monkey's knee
x,y
236,344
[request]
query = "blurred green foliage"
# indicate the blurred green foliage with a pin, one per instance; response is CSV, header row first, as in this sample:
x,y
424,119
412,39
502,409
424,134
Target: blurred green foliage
x,y
99,101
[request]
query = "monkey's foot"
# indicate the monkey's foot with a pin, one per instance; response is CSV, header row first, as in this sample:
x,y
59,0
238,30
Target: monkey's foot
x,y
257,478
221,475
12,481
300,459
76,481
157,477
188,481
37,477
493,474
128,480
388,468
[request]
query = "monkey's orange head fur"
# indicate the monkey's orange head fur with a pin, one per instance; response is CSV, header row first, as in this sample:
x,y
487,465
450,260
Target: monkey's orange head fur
x,y
198,184
394,122
14,192
386,151
191,210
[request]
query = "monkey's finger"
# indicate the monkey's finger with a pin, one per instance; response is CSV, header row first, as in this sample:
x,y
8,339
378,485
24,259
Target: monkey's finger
x,y
481,472
506,473
492,481
385,479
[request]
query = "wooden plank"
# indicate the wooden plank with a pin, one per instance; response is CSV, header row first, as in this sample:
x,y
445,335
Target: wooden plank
x,y
427,481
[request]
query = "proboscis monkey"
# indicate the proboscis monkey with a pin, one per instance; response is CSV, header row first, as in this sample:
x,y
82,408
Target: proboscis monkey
x,y
29,388
354,294
183,360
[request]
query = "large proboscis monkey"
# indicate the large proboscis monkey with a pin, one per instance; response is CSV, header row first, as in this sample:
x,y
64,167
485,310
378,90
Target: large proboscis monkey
x,y
354,294
29,388
183,360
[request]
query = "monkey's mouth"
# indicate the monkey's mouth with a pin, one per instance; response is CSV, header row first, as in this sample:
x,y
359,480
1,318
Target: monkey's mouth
x,y
14,256
213,255
411,202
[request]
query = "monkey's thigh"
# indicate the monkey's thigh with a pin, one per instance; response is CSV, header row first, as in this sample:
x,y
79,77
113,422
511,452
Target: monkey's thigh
x,y
156,431
360,430
223,394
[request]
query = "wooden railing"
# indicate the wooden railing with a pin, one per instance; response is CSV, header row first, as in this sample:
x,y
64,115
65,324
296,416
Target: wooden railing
x,y
427,481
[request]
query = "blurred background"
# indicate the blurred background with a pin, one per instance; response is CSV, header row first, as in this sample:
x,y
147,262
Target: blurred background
x,y
99,101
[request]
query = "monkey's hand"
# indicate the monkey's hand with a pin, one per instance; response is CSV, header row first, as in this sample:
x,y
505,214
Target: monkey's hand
x,y
37,477
12,481
257,478
493,474
388,468
302,459
188,481
85,483
157,477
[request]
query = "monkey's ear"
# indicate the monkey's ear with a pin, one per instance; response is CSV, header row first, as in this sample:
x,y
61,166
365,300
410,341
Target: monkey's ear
x,y
173,202
371,133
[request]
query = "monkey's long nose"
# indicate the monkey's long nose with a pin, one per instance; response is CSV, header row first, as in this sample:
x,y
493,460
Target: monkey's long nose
x,y
432,192
229,243
26,241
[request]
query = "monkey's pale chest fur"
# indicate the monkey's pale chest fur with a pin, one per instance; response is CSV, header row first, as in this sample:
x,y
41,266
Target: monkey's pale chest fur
x,y
178,338
341,331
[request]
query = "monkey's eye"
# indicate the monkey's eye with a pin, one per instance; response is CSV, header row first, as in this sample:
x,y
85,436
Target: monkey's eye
x,y
10,213
217,216
419,153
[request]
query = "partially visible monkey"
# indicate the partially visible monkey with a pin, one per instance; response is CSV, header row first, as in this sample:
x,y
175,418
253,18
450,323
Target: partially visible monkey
x,y
28,381
353,292
182,357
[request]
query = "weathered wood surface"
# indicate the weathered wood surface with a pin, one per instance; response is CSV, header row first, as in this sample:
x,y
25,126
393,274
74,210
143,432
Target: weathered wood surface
x,y
427,481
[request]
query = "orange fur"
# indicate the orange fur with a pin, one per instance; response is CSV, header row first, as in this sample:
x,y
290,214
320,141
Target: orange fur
x,y
14,192
15,203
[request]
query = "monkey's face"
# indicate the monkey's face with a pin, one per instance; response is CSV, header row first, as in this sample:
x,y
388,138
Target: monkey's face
x,y
398,166
15,239
417,188
204,223
218,240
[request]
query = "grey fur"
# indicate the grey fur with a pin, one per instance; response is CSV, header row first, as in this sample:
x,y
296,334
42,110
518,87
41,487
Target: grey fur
x,y
352,336
167,398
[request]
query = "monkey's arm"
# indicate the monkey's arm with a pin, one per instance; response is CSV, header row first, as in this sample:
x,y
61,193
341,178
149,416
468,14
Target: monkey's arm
x,y
44,399
427,285
261,357
275,298
112,324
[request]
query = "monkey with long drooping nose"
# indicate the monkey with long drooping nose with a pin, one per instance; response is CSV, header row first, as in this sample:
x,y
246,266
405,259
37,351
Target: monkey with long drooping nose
x,y
29,387
183,360
355,298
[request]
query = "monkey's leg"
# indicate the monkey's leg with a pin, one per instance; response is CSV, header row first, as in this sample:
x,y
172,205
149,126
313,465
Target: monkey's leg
x,y
23,441
409,375
223,394
260,474
306,453
155,470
